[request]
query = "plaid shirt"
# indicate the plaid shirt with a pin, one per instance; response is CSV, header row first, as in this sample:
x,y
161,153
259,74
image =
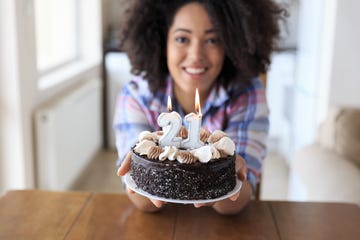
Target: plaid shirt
x,y
242,114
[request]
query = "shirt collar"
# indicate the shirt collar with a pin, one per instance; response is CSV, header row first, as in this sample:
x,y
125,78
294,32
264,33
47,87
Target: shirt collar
x,y
217,97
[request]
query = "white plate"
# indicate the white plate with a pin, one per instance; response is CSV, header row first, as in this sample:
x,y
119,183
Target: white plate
x,y
131,184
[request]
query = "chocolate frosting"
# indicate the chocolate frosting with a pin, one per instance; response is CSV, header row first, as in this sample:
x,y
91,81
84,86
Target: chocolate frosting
x,y
172,179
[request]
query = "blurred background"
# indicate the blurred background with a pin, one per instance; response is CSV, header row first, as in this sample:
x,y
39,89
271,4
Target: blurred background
x,y
61,69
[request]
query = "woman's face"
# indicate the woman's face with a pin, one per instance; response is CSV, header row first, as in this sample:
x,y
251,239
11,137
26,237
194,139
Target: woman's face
x,y
195,54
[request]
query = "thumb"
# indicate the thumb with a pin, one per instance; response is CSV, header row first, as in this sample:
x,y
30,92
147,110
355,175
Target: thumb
x,y
241,168
125,165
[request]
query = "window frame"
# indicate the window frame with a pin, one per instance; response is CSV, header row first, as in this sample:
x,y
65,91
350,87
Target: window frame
x,y
88,42
75,54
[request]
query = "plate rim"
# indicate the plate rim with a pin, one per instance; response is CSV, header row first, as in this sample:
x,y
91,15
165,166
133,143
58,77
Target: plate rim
x,y
131,184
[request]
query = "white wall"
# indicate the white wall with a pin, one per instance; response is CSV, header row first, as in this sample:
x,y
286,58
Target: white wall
x,y
326,72
345,69
280,79
12,166
307,73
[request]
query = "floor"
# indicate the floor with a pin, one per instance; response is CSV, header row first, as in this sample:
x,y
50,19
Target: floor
x,y
274,183
100,176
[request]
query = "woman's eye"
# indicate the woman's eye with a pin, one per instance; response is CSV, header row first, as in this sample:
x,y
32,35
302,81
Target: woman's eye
x,y
181,40
212,41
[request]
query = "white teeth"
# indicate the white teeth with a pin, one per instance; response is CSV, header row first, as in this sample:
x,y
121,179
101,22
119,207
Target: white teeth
x,y
195,70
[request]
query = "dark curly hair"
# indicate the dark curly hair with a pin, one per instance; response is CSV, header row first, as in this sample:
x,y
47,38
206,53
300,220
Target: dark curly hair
x,y
249,30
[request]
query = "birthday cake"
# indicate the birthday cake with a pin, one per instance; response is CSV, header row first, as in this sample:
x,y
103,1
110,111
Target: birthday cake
x,y
204,172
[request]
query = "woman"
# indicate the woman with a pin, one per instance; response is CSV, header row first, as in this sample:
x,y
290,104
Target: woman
x,y
220,47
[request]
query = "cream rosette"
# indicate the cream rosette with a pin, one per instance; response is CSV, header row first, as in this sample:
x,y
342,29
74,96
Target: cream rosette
x,y
203,153
146,135
219,145
226,145
168,153
143,147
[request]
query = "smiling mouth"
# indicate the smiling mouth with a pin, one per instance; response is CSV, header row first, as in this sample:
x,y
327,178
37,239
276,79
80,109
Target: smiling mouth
x,y
195,70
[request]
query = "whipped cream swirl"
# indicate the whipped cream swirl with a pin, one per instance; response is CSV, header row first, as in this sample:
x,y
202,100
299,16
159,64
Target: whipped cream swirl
x,y
217,145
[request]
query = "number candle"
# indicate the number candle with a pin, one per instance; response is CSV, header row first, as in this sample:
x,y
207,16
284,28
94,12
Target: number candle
x,y
194,120
171,124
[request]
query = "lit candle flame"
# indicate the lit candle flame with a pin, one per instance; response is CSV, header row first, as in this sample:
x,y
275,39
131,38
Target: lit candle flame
x,y
197,103
169,105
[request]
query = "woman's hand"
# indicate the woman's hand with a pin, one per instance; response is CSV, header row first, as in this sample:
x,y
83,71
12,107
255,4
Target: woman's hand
x,y
241,172
240,168
125,165
138,200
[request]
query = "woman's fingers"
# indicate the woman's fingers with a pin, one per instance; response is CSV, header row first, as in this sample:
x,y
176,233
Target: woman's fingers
x,y
157,203
232,198
198,205
241,168
235,196
125,165
129,190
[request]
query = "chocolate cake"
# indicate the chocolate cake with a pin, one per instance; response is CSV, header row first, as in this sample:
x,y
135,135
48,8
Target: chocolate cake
x,y
185,174
172,179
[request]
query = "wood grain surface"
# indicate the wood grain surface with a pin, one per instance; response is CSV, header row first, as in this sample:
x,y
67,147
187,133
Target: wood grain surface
x,y
34,214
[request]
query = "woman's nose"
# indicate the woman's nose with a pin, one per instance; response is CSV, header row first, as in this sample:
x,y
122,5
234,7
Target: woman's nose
x,y
196,51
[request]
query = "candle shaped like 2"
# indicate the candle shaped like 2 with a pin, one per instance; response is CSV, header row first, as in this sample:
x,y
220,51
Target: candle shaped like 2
x,y
171,124
194,120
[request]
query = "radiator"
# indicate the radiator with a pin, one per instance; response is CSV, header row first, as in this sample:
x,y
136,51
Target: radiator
x,y
67,135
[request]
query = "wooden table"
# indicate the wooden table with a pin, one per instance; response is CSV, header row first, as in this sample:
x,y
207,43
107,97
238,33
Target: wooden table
x,y
33,214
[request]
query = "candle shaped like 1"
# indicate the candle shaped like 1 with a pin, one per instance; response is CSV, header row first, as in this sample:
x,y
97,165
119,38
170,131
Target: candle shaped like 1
x,y
194,120
171,124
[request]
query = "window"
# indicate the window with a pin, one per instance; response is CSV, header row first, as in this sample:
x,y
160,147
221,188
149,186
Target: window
x,y
67,39
56,33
